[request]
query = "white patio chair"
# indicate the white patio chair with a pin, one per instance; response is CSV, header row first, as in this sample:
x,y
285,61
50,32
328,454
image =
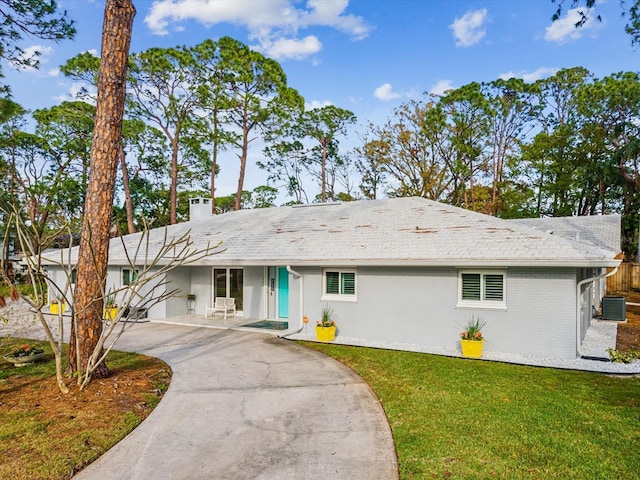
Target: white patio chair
x,y
222,305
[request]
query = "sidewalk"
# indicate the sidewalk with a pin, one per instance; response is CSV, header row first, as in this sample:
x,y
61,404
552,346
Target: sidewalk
x,y
245,405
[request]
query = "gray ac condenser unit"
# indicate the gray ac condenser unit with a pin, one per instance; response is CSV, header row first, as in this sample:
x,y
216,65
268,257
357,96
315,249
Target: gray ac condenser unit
x,y
614,308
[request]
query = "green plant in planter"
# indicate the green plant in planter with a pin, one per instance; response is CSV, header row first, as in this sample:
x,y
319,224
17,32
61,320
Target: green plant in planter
x,y
111,302
326,326
471,339
111,308
25,355
473,329
326,318
25,351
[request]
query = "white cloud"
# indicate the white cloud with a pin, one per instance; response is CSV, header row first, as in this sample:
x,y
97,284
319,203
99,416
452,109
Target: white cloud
x,y
331,14
469,29
385,93
77,91
260,15
530,77
54,72
33,53
564,29
275,24
292,48
441,87
316,104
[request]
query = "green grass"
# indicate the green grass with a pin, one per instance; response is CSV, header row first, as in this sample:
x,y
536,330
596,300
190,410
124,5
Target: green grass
x,y
466,419
24,289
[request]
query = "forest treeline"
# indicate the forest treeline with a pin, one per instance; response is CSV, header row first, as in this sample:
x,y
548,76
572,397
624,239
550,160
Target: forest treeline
x,y
564,145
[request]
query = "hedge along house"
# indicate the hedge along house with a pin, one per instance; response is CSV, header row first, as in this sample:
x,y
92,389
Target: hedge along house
x,y
404,271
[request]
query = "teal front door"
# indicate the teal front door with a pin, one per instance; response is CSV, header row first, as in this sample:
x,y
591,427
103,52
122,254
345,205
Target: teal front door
x,y
283,293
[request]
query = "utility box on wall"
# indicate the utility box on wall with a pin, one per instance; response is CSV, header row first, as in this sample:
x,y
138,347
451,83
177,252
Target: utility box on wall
x,y
614,308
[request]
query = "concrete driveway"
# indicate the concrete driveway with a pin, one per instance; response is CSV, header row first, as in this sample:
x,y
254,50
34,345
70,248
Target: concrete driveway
x,y
246,405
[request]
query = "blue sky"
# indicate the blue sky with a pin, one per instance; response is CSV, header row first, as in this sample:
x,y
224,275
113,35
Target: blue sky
x,y
368,56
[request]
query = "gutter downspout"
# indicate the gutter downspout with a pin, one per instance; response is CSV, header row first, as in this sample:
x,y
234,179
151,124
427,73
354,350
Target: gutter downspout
x,y
578,311
296,275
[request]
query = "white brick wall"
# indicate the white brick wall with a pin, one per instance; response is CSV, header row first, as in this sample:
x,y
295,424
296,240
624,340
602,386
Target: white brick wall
x,y
418,306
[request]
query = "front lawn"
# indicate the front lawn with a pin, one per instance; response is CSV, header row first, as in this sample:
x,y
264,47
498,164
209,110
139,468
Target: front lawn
x,y
47,435
469,419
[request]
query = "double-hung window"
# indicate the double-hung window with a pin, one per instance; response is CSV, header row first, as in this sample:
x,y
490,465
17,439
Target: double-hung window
x,y
339,284
485,289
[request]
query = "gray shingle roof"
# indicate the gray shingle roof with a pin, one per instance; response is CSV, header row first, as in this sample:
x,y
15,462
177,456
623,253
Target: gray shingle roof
x,y
603,231
400,231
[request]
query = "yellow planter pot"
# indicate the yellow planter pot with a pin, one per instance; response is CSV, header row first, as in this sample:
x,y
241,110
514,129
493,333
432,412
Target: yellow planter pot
x,y
325,334
472,348
54,310
110,313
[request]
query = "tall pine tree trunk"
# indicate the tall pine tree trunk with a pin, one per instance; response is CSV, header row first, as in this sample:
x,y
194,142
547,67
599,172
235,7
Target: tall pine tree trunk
x,y
105,153
131,227
173,188
323,173
243,165
214,161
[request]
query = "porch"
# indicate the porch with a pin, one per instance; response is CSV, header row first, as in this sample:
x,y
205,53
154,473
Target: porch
x,y
217,321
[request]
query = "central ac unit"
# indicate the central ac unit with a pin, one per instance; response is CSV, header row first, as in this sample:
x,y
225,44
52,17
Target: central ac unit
x,y
614,308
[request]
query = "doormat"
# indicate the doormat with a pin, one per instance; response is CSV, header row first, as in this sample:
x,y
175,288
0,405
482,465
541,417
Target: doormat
x,y
269,325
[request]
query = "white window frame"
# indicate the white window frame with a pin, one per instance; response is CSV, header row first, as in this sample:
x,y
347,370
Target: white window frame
x,y
483,302
341,297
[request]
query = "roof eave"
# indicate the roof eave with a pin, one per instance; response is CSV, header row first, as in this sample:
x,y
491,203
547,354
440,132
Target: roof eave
x,y
458,263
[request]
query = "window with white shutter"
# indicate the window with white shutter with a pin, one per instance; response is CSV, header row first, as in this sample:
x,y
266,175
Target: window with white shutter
x,y
484,289
339,285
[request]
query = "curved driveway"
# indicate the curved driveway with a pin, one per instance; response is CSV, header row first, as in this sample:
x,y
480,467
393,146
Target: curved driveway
x,y
246,405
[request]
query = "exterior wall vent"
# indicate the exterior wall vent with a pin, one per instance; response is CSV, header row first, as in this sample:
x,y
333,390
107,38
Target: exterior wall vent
x,y
614,308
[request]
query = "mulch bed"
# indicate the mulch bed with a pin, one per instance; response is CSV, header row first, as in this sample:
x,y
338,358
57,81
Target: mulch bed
x,y
629,332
